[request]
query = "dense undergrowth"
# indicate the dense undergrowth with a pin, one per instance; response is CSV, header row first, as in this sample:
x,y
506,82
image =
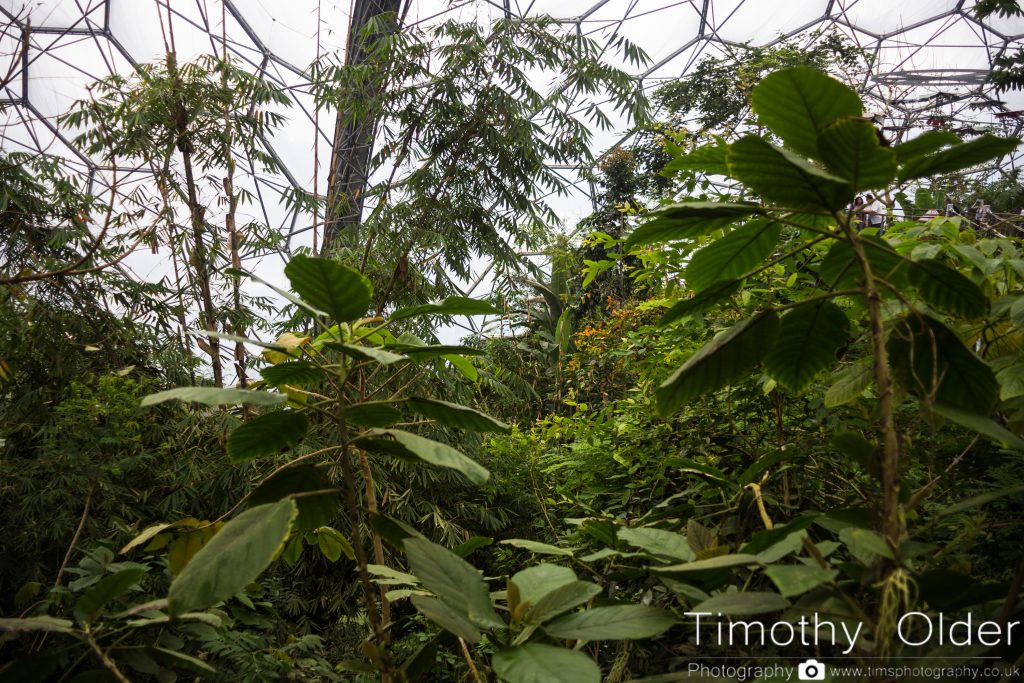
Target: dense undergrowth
x,y
740,404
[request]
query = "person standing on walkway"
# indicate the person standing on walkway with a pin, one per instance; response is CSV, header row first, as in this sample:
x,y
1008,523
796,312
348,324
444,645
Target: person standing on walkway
x,y
874,212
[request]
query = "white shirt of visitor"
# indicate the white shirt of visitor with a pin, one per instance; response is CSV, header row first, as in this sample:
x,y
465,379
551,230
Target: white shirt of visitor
x,y
875,212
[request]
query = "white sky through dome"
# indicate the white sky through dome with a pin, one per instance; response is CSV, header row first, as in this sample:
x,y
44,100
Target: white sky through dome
x,y
72,42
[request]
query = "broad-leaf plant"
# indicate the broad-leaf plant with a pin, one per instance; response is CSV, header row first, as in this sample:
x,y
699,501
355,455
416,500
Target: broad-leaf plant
x,y
932,318
351,372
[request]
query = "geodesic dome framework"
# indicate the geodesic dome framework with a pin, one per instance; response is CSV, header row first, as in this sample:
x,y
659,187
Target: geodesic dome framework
x,y
928,68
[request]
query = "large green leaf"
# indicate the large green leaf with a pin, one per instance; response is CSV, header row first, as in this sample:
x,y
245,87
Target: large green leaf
x,y
929,360
453,305
689,220
798,104
533,583
850,148
35,624
865,545
957,157
710,159
266,435
373,414
333,545
616,622
367,353
421,662
297,372
841,269
213,396
392,530
233,559
309,486
453,580
464,366
733,255
735,603
329,286
719,562
766,462
701,301
658,542
849,383
722,360
466,548
1010,373
91,605
809,336
762,542
981,499
797,579
536,663
925,143
538,547
1017,313
446,617
560,600
455,415
785,179
981,424
947,290
415,447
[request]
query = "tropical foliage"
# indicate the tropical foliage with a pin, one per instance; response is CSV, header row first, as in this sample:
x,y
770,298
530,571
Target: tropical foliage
x,y
728,398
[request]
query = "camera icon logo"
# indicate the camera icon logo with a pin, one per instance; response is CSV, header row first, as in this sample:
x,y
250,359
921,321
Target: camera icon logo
x,y
811,670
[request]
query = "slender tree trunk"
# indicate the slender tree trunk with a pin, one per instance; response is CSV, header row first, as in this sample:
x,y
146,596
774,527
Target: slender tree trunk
x,y
196,218
234,237
892,523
